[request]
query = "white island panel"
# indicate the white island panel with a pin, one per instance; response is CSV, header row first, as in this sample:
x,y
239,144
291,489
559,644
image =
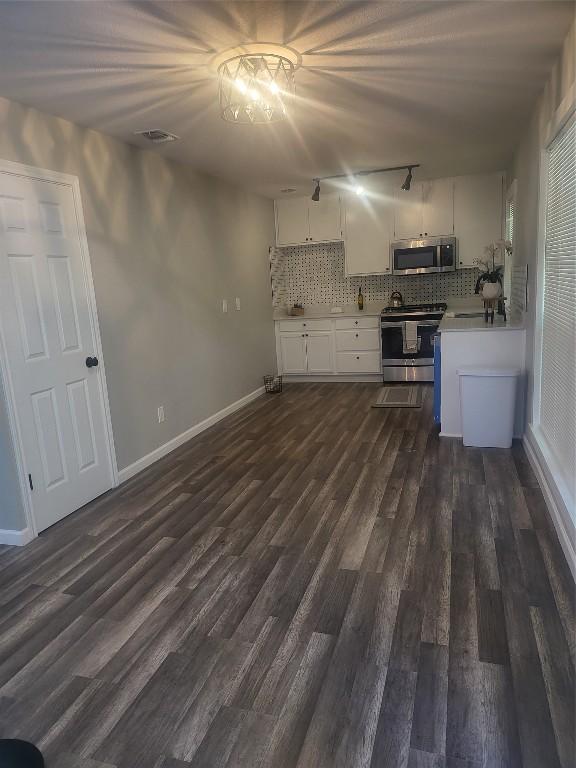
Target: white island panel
x,y
499,347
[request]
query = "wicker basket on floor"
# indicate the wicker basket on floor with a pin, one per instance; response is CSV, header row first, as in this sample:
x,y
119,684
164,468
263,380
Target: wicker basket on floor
x,y
273,384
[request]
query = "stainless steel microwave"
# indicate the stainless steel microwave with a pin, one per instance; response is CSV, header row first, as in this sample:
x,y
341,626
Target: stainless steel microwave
x,y
428,254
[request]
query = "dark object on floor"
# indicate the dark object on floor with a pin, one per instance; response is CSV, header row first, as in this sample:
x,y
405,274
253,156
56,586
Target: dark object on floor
x,y
273,384
19,754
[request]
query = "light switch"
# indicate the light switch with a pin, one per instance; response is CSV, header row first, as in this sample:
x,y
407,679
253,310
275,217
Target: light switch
x,y
224,305
237,303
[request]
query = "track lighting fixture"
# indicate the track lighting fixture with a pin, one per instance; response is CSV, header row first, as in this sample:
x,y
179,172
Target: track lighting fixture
x,y
408,179
359,189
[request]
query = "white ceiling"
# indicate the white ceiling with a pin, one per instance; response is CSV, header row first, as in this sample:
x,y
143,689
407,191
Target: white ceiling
x,y
445,84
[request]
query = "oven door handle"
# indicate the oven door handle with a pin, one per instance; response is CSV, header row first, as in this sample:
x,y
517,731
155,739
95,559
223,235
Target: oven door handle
x,y
385,324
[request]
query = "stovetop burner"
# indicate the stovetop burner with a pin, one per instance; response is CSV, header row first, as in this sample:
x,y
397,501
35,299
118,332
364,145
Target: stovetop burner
x,y
407,308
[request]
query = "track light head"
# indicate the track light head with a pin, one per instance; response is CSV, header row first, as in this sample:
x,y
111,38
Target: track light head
x,y
316,193
408,179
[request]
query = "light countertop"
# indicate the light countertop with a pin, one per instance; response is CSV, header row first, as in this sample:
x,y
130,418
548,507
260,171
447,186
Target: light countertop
x,y
470,305
479,324
371,309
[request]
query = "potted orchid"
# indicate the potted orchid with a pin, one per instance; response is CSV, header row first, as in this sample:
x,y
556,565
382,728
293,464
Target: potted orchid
x,y
491,272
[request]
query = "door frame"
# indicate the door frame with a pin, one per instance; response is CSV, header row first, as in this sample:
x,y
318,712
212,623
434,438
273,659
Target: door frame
x,y
55,177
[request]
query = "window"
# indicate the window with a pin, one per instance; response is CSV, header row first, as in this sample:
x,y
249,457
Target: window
x,y
557,374
509,235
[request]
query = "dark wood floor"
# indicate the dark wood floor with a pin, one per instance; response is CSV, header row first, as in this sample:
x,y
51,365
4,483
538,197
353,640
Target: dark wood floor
x,y
311,583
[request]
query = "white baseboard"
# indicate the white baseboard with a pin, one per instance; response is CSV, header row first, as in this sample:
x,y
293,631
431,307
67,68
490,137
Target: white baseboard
x,y
448,434
331,378
16,538
176,442
552,495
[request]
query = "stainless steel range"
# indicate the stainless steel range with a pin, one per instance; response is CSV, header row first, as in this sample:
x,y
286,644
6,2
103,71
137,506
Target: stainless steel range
x,y
407,346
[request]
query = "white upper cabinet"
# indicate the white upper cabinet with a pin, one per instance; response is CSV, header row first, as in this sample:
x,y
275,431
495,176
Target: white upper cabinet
x,y
302,220
292,225
478,213
368,227
408,212
325,219
438,207
470,207
427,210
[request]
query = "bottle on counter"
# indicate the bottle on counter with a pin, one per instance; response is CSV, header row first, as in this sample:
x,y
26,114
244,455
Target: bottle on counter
x,y
360,299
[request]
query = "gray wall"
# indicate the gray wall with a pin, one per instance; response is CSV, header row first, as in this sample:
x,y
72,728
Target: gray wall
x,y
166,245
526,169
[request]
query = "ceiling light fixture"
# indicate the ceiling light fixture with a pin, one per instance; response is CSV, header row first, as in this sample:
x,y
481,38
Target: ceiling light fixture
x,y
255,82
359,189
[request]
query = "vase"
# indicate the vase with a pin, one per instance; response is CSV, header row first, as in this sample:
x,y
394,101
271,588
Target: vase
x,y
491,290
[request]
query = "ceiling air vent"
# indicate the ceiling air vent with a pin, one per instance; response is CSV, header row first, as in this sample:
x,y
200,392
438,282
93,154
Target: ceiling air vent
x,y
156,136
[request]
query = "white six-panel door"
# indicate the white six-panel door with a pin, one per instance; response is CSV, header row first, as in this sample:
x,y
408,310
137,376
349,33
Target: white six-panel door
x,y
48,334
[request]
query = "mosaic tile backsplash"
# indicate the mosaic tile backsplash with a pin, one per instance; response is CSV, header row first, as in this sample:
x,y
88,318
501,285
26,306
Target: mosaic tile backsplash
x,y
314,274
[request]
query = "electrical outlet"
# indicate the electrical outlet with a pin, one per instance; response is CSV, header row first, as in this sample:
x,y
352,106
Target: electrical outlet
x,y
224,305
161,416
238,303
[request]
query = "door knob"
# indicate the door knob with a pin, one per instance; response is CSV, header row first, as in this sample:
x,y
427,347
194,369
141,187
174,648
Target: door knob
x,y
91,362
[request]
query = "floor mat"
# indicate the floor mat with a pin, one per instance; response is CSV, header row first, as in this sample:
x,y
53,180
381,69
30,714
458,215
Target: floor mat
x,y
399,397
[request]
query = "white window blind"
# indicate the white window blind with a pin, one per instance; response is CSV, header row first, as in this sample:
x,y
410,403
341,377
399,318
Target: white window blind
x,y
510,221
558,366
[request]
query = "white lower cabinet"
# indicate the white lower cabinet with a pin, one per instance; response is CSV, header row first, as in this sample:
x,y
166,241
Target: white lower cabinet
x,y
320,351
329,346
293,351
358,362
307,352
357,339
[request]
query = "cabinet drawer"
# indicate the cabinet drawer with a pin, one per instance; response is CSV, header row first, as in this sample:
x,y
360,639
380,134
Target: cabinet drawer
x,y
367,339
305,324
343,323
358,362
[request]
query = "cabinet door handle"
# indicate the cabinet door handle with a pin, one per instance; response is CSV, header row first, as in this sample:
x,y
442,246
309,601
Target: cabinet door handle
x,y
357,357
304,325
356,335
356,322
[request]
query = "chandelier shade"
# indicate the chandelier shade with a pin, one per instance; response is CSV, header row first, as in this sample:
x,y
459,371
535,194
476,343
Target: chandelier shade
x,y
254,87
